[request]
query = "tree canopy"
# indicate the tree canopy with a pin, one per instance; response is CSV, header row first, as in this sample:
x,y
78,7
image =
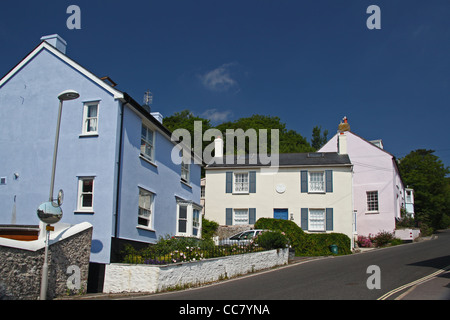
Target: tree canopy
x,y
426,174
290,141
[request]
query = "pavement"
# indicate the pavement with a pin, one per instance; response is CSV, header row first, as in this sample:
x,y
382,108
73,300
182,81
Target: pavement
x,y
437,288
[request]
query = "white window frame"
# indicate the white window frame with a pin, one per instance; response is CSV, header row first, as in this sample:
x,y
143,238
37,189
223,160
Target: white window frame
x,y
196,222
316,219
371,202
149,208
86,119
190,221
241,186
314,185
179,218
150,157
241,216
185,170
82,193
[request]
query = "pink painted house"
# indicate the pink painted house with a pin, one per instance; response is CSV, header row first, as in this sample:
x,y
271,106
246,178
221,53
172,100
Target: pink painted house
x,y
378,190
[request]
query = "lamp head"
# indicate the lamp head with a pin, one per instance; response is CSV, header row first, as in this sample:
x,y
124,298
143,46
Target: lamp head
x,y
68,95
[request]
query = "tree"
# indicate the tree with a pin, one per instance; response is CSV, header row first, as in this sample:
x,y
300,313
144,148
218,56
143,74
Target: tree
x,y
318,140
290,140
426,174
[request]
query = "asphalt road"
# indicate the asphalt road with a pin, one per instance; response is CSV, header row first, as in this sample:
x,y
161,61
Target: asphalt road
x,y
333,278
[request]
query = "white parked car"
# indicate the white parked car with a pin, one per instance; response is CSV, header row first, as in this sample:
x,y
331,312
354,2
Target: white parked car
x,y
242,238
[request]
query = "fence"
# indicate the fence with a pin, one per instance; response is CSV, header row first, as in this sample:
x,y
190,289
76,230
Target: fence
x,y
190,253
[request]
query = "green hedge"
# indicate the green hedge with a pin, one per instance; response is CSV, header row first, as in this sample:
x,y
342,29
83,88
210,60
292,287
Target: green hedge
x,y
305,244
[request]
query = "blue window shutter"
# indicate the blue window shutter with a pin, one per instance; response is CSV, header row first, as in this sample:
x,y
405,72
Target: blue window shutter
x,y
304,181
252,215
328,180
252,178
304,219
229,216
229,182
329,219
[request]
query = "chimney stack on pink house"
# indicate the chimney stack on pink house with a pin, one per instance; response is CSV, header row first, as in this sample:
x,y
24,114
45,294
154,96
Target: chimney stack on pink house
x,y
342,137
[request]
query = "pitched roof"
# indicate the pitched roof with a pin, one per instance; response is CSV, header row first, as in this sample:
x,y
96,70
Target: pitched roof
x,y
46,46
124,97
286,160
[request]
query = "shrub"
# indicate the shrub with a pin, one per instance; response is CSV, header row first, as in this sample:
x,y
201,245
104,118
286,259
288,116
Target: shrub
x,y
208,228
319,244
306,244
364,242
382,238
272,240
297,237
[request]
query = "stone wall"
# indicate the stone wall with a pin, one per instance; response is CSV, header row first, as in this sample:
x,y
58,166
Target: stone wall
x,y
148,278
224,232
21,265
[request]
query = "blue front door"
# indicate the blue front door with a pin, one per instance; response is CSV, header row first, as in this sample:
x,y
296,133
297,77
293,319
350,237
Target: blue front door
x,y
280,214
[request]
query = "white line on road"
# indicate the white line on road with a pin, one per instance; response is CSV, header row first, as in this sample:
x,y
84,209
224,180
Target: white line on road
x,y
419,281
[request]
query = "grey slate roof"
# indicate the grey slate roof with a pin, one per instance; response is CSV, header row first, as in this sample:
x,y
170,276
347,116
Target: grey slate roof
x,y
287,159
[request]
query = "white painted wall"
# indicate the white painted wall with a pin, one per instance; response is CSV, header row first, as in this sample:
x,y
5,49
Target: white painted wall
x,y
147,278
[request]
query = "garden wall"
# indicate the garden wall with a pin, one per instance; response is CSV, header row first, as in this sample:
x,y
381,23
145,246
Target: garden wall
x,y
149,278
21,263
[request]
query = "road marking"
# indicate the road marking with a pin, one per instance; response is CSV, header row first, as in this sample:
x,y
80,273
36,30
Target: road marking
x,y
417,282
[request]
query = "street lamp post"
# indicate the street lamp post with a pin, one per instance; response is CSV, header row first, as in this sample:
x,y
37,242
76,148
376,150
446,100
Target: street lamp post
x,y
49,212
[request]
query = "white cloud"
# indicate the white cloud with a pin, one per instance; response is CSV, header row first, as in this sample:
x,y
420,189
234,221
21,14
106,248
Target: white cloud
x,y
217,116
219,79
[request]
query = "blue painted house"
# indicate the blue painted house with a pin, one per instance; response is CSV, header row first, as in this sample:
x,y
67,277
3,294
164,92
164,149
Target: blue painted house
x,y
114,158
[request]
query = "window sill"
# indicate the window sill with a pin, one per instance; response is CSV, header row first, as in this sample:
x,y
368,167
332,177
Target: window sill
x,y
316,192
88,135
84,212
186,183
148,160
237,193
372,212
145,228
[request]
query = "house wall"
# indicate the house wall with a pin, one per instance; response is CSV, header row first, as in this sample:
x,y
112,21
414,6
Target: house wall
x,y
162,178
374,170
28,116
266,198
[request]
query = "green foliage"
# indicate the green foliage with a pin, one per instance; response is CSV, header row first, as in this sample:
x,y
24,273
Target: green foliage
x,y
208,228
426,174
290,140
297,238
319,244
382,238
306,244
272,240
318,140
405,221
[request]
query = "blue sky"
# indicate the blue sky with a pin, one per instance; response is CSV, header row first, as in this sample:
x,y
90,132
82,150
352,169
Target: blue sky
x,y
308,62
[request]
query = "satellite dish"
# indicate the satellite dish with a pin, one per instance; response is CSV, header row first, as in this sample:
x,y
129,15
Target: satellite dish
x,y
60,198
49,212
